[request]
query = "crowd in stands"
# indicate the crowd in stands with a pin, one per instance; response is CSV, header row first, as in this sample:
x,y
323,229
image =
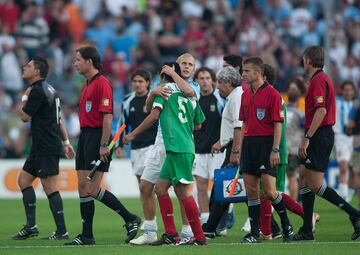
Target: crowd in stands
x,y
145,33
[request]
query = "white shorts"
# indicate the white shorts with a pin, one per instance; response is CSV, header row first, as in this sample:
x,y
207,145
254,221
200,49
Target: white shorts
x,y
343,147
137,159
205,164
153,163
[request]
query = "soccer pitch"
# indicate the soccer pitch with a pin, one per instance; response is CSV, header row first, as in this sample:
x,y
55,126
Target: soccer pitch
x,y
333,233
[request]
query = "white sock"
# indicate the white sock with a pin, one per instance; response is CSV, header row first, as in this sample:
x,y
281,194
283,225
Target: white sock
x,y
343,190
204,217
186,231
150,226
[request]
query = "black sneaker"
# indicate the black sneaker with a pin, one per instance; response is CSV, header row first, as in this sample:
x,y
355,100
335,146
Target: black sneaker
x,y
288,233
277,233
26,232
356,224
194,241
57,236
167,239
302,236
81,240
132,228
249,238
208,234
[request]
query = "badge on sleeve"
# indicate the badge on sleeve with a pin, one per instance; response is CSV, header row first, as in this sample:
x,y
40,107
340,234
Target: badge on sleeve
x,y
88,106
105,102
319,100
282,115
260,113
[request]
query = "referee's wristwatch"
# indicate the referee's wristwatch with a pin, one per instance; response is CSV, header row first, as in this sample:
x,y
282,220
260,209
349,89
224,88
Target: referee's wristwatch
x,y
104,145
307,136
275,150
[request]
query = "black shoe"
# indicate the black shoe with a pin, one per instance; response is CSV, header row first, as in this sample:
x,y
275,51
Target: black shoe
x,y
26,232
167,239
208,234
81,240
288,233
194,241
302,236
57,236
356,224
132,228
249,238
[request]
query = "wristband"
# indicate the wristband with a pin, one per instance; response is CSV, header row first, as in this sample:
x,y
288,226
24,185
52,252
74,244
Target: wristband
x,y
66,142
104,145
235,151
24,98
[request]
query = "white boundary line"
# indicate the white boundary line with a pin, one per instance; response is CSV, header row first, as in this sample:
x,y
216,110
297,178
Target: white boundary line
x,y
211,244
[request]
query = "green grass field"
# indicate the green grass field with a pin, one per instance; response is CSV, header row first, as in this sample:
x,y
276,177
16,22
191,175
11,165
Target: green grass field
x,y
333,233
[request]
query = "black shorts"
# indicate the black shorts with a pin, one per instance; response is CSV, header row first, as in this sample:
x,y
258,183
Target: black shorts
x,y
293,165
42,166
319,149
255,155
88,150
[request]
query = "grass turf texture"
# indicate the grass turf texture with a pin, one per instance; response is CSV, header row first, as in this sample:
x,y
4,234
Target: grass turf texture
x,y
332,235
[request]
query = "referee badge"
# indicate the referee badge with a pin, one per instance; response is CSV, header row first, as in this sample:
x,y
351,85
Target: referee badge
x,y
319,99
88,106
105,102
260,113
212,108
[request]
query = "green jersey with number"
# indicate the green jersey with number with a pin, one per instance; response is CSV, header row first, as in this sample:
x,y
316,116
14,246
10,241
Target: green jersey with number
x,y
178,116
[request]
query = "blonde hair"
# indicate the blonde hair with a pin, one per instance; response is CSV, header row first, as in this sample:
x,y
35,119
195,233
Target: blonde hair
x,y
183,56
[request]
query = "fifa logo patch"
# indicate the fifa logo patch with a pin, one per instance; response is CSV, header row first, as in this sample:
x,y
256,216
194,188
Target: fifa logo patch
x,y
88,106
260,113
105,102
282,115
319,99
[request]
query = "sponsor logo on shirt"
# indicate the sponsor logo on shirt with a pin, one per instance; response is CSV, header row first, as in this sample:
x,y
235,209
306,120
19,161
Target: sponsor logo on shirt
x,y
212,108
319,99
105,102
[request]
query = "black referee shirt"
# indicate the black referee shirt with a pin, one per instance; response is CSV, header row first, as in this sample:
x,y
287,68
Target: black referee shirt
x,y
134,114
212,106
43,106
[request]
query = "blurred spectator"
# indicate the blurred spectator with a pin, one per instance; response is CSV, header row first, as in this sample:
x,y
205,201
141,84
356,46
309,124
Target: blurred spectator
x,y
5,102
168,41
351,71
32,30
57,18
123,43
9,14
76,23
89,8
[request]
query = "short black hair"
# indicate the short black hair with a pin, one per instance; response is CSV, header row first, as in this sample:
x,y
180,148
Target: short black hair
x,y
255,61
234,61
347,82
205,69
143,73
90,52
42,65
315,55
166,77
270,74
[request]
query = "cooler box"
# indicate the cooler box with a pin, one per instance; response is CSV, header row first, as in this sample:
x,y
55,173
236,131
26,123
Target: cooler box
x,y
223,179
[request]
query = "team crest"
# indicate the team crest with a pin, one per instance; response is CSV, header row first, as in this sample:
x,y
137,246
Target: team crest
x,y
212,108
260,113
88,106
319,99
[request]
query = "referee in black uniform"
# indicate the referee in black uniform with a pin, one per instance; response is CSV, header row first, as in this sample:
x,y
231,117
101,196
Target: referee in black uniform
x,y
41,105
95,115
